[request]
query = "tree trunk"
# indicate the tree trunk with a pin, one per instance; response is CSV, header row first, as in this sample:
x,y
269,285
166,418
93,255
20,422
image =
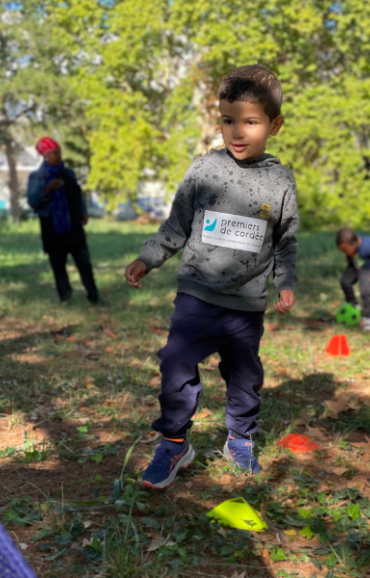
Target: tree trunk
x,y
13,180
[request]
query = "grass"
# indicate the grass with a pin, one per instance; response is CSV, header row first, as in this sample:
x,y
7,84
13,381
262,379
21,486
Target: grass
x,y
76,404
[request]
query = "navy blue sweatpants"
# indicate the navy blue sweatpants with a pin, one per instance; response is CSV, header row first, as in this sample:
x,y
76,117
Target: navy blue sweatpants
x,y
199,329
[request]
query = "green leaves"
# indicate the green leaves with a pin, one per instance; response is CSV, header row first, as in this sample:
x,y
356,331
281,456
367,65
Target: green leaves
x,y
277,555
135,83
353,511
306,532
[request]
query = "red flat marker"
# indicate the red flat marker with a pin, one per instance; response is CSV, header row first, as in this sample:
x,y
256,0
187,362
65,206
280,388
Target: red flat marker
x,y
298,443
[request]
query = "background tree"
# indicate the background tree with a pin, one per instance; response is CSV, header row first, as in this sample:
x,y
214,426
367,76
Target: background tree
x,y
38,91
146,77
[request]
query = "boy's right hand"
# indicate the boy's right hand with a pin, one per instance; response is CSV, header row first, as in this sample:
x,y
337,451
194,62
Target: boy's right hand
x,y
53,185
135,272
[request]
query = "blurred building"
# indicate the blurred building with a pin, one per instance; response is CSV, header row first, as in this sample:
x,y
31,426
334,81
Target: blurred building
x,y
28,160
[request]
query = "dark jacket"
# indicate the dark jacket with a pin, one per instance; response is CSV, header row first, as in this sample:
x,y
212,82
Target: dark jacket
x,y
40,203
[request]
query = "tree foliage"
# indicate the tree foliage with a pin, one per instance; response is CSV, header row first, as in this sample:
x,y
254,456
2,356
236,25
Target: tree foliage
x,y
37,90
146,74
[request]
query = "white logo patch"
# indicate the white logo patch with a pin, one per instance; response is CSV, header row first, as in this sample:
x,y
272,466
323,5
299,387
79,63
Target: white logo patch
x,y
233,231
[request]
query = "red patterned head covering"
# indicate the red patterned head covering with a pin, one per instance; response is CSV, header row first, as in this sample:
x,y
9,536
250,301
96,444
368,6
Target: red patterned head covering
x,y
46,145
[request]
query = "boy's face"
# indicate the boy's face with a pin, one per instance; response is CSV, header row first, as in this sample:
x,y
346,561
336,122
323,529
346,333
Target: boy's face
x,y
348,249
245,128
54,157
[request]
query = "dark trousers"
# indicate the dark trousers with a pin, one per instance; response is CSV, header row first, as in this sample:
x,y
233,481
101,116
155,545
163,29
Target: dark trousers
x,y
81,256
350,276
199,329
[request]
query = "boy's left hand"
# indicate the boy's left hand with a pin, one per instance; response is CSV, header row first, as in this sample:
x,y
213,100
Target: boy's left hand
x,y
286,302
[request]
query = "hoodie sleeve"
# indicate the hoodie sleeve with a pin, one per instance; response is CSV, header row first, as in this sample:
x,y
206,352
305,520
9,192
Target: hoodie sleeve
x,y
176,230
35,190
285,243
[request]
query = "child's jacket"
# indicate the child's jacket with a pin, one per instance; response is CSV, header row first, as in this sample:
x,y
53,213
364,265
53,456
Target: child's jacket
x,y
236,220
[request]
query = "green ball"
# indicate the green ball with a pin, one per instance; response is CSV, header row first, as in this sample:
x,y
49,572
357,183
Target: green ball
x,y
348,315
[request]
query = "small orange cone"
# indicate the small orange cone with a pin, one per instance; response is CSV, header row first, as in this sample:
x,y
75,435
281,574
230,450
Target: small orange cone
x,y
298,443
338,346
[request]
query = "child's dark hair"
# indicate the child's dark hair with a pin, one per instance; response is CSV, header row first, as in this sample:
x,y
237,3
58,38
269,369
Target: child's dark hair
x,y
256,84
345,236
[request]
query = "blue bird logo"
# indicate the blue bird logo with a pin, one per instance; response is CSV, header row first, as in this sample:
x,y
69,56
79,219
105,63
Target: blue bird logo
x,y
210,227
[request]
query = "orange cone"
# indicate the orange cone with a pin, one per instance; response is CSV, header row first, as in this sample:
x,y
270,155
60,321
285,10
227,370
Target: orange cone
x,y
338,346
298,443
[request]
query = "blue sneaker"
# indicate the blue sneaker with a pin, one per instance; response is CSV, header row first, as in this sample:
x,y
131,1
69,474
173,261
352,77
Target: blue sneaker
x,y
169,457
241,452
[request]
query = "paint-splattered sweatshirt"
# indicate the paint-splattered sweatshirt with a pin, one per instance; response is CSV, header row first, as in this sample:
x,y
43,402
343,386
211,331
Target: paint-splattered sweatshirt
x,y
236,220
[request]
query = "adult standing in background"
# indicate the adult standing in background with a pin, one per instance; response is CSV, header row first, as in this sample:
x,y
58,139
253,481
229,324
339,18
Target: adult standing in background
x,y
56,197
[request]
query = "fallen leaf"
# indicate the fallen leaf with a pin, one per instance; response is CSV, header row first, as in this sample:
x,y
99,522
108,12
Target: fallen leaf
x,y
337,505
304,417
338,471
155,381
203,414
110,350
360,480
58,403
236,575
188,485
159,541
289,532
88,523
315,432
223,532
226,480
159,331
337,406
149,400
108,332
150,437
299,422
361,445
279,327
23,546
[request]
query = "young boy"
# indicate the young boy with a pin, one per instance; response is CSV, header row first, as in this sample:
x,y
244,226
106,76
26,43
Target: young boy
x,y
357,249
235,214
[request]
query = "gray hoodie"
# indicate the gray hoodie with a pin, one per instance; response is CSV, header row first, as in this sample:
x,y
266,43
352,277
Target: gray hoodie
x,y
236,220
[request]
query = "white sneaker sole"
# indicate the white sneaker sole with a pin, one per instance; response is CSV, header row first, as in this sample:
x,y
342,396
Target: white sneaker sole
x,y
227,453
183,463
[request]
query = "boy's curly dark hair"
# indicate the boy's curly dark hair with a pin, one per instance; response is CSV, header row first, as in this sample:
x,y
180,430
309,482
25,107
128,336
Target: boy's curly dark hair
x,y
345,235
253,83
